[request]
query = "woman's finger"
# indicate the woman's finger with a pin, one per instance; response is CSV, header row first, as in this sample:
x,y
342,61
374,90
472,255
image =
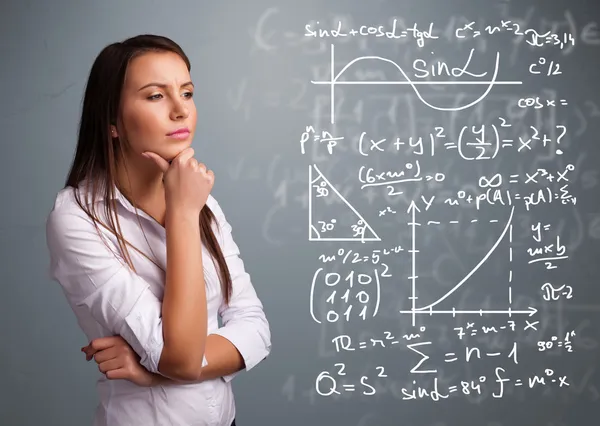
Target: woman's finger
x,y
100,344
119,373
107,354
111,364
162,164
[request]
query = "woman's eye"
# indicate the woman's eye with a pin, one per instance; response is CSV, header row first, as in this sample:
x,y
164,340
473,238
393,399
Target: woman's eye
x,y
153,97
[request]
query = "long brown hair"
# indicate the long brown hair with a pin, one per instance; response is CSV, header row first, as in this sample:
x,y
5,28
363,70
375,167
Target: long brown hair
x,y
97,151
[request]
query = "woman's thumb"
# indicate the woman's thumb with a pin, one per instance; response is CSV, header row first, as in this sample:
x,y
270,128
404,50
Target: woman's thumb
x,y
162,164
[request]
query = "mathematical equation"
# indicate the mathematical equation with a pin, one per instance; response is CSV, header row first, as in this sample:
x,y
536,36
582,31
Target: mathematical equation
x,y
470,138
327,385
530,30
398,31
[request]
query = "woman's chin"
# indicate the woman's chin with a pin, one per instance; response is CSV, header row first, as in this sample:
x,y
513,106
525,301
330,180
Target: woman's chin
x,y
174,152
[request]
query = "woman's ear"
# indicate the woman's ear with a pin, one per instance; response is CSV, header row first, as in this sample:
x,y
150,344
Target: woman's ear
x,y
113,131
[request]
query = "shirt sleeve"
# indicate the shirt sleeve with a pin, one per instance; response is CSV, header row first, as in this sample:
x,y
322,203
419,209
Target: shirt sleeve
x,y
98,283
244,321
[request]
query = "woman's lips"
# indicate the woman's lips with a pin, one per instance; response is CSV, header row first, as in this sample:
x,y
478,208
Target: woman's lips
x,y
180,135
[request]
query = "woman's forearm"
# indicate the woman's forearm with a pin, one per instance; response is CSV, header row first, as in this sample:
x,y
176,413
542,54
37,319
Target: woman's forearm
x,y
158,379
184,305
223,359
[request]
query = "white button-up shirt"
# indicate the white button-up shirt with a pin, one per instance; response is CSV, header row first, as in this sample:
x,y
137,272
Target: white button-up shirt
x,y
109,299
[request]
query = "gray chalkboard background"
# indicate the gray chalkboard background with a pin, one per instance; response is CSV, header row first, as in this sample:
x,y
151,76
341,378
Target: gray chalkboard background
x,y
253,67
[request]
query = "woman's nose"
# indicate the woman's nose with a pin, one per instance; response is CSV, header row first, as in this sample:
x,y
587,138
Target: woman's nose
x,y
179,110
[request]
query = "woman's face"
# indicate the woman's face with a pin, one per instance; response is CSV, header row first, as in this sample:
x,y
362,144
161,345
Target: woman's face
x,y
157,100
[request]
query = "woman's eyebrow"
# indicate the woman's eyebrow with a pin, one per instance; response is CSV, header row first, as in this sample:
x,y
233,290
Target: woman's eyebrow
x,y
162,85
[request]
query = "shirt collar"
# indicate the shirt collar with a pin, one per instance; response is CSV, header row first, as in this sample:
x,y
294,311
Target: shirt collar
x,y
118,195
84,187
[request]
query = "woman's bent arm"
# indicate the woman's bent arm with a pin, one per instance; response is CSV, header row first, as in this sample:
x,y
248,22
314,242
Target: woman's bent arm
x,y
184,305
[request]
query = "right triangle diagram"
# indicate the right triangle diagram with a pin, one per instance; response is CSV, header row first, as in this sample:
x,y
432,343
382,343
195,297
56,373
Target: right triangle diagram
x,y
344,225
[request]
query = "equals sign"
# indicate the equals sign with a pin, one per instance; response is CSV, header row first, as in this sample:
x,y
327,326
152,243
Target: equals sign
x,y
349,388
563,102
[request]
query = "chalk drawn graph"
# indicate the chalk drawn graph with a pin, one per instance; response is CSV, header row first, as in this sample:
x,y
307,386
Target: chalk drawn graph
x,y
428,309
335,81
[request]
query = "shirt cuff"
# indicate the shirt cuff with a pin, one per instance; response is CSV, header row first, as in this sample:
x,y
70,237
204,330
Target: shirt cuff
x,y
143,335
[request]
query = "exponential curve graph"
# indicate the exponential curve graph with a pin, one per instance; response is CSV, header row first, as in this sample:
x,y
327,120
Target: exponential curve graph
x,y
428,309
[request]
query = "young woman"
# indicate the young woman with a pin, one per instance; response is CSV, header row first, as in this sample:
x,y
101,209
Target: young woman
x,y
143,252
